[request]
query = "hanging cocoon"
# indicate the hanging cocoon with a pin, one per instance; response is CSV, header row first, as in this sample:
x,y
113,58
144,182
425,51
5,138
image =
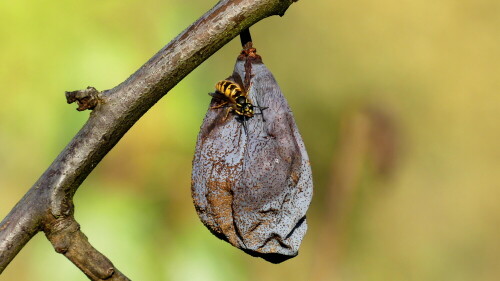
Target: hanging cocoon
x,y
251,180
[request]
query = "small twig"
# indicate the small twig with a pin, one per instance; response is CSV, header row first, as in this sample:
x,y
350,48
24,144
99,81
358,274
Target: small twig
x,y
86,99
245,37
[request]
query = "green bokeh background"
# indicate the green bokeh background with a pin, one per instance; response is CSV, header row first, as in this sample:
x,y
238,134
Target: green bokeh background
x,y
431,69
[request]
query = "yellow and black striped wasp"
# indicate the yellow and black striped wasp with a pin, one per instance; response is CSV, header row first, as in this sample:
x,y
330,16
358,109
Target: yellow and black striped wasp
x,y
235,98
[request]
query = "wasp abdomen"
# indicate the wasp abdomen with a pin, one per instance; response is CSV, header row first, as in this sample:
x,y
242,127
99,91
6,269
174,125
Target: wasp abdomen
x,y
229,89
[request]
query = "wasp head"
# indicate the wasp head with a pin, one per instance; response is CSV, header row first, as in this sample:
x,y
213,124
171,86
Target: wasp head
x,y
245,107
247,110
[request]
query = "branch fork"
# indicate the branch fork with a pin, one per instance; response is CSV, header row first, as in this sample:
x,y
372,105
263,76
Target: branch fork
x,y
48,204
67,239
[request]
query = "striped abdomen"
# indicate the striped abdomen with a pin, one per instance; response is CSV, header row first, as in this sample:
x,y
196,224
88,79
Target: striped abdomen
x,y
229,89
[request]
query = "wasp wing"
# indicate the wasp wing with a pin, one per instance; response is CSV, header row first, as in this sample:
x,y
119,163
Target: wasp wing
x,y
218,96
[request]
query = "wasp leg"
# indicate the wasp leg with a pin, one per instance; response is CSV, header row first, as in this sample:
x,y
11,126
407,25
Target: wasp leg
x,y
261,112
244,122
262,108
229,109
219,106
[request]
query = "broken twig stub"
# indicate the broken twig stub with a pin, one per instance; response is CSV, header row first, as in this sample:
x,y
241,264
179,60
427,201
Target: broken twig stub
x,y
86,99
252,181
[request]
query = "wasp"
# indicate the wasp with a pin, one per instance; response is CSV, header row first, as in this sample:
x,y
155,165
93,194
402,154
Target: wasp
x,y
236,99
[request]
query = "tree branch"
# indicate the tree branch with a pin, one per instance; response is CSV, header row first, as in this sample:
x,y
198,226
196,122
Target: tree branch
x,y
67,239
48,205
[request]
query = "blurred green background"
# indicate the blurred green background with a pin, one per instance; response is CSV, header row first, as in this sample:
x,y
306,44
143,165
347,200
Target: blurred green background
x,y
397,101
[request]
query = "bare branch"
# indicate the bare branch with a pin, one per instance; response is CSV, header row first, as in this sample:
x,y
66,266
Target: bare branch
x,y
67,239
48,205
